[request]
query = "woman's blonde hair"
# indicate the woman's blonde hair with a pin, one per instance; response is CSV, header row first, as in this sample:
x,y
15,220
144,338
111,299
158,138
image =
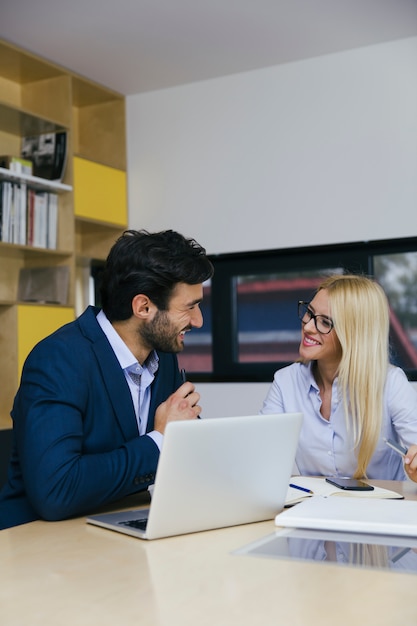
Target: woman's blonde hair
x,y
360,312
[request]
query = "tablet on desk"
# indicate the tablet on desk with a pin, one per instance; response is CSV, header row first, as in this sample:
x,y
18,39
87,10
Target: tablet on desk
x,y
361,515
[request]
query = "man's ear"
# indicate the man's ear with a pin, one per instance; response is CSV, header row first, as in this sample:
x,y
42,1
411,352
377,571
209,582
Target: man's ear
x,y
142,306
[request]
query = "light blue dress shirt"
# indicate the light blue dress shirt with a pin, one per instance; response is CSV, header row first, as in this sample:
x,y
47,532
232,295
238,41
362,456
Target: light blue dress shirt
x,y
325,447
141,395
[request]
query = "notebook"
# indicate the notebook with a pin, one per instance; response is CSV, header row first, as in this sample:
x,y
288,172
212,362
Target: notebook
x,y
214,473
319,487
359,515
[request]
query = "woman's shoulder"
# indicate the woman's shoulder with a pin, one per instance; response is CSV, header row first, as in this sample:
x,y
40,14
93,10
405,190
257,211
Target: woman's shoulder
x,y
396,376
399,391
398,386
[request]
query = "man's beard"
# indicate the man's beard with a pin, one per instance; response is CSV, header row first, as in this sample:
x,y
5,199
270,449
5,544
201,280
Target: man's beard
x,y
160,334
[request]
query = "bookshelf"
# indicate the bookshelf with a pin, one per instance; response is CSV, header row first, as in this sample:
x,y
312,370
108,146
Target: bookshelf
x,y
36,97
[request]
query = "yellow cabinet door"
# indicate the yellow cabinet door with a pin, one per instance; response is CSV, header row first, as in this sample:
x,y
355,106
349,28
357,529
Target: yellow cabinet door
x,y
99,192
36,322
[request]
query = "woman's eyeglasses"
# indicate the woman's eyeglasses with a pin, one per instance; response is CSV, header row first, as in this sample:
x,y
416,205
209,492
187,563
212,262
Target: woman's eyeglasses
x,y
323,324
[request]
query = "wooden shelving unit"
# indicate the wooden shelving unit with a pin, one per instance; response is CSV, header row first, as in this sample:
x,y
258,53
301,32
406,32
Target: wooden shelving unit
x,y
37,96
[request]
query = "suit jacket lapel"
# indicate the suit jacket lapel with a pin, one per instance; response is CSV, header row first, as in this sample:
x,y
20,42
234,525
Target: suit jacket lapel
x,y
113,376
117,388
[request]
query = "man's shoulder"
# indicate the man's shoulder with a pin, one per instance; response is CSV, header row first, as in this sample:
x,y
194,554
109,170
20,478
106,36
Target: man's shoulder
x,y
69,334
87,322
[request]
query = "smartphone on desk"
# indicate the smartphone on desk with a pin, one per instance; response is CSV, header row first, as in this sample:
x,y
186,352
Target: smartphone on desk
x,y
351,484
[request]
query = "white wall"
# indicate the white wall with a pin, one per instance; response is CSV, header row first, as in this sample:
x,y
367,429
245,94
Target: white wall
x,y
318,151
230,399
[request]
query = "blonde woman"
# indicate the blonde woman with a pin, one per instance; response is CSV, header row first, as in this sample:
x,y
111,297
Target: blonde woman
x,y
351,397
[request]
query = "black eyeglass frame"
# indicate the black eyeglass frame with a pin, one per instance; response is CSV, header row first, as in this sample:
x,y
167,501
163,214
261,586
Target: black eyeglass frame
x,y
304,309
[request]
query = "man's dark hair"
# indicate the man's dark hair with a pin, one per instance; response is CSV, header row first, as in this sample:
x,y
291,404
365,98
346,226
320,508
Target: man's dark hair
x,y
152,264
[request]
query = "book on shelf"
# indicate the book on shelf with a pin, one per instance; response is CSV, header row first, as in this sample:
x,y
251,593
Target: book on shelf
x,y
21,214
13,213
40,213
17,165
5,209
52,221
48,154
42,223
308,486
30,216
27,216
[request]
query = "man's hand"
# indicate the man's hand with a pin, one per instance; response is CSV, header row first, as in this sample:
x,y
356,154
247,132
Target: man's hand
x,y
181,405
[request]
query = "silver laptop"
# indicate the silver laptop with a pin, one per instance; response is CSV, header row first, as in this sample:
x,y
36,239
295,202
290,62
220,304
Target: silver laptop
x,y
214,473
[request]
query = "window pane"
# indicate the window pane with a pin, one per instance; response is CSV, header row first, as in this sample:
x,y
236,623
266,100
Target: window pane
x,y
267,319
197,355
397,274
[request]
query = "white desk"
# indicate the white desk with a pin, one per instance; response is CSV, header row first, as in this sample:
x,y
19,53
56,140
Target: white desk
x,y
61,573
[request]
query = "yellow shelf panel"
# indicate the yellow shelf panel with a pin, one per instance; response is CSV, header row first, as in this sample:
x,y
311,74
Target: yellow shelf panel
x,y
99,192
35,322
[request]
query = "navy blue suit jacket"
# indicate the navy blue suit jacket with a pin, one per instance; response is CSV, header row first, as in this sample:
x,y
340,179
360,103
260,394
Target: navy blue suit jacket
x,y
76,441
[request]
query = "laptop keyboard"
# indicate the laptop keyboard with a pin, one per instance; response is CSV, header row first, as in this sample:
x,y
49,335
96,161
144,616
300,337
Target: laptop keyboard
x,y
140,524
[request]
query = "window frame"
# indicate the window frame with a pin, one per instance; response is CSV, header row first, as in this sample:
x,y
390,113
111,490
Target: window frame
x,y
356,257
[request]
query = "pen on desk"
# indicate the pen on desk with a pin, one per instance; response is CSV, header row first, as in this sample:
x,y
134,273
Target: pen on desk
x,y
301,488
396,446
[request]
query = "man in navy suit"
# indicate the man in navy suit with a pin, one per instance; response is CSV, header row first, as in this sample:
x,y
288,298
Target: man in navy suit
x,y
96,395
